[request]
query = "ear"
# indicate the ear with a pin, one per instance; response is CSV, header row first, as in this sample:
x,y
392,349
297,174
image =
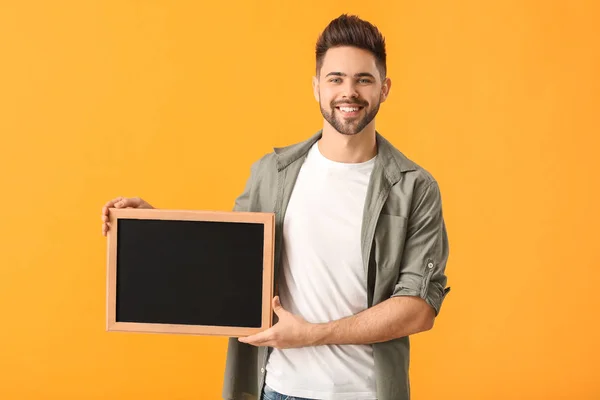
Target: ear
x,y
315,85
385,89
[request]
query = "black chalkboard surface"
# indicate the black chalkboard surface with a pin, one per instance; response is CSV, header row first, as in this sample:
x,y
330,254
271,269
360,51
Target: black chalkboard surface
x,y
199,272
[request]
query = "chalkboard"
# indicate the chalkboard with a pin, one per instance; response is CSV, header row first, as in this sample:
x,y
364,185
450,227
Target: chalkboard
x,y
198,272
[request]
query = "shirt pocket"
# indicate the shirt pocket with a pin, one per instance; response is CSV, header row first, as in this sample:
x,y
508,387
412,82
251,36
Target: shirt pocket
x,y
390,235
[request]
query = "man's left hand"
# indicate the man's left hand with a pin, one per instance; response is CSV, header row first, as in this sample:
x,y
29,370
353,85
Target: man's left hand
x,y
290,331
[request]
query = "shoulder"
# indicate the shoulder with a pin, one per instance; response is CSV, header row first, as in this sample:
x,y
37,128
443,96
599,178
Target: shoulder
x,y
399,166
411,183
281,157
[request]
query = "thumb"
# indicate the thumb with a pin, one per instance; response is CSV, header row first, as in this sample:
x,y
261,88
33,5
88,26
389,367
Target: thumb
x,y
277,306
129,202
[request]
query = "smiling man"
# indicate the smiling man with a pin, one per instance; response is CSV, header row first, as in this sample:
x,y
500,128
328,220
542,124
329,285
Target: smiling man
x,y
361,244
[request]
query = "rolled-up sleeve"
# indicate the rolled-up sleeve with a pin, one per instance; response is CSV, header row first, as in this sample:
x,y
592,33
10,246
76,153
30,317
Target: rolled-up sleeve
x,y
425,254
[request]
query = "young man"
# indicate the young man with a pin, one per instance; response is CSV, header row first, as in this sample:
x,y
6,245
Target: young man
x,y
361,244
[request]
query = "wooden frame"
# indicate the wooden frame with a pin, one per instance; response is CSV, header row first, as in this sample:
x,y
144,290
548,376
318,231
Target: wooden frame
x,y
267,219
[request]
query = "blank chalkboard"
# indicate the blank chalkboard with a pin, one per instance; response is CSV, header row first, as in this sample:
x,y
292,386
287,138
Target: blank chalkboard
x,y
190,271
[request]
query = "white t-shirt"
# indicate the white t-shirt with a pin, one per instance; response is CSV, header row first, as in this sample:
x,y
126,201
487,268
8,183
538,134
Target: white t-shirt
x,y
323,279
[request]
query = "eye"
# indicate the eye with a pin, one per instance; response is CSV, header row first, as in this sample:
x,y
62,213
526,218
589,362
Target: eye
x,y
364,80
335,80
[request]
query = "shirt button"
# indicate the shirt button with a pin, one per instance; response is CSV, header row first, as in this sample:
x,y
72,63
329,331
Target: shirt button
x,y
262,370
430,265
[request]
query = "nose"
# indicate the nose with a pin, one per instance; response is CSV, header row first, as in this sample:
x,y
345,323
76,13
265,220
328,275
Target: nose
x,y
350,90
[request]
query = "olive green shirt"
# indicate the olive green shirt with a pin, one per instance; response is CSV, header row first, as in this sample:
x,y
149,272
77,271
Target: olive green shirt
x,y
404,249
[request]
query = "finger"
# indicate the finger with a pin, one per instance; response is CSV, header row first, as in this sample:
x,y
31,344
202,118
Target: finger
x,y
256,339
131,202
111,203
258,343
121,202
277,308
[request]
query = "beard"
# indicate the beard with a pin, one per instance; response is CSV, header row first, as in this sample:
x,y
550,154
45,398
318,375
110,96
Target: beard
x,y
349,127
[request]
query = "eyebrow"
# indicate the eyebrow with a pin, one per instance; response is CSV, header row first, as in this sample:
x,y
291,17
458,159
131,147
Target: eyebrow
x,y
359,75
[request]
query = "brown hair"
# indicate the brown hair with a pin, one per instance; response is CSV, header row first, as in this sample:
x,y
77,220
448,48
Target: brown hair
x,y
350,30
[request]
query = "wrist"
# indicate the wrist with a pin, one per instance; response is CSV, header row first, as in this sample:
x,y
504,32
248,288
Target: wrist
x,y
319,334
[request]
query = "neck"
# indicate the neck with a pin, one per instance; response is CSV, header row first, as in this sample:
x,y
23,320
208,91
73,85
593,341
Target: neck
x,y
348,148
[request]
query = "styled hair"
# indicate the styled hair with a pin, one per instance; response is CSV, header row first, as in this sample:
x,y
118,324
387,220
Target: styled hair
x,y
350,30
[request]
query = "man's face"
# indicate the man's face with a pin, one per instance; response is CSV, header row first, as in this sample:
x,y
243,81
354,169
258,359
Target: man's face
x,y
349,89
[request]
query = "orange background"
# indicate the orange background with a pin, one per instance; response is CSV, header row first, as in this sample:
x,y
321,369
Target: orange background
x,y
173,100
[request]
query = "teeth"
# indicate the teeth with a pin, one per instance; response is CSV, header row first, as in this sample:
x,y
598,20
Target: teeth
x,y
349,109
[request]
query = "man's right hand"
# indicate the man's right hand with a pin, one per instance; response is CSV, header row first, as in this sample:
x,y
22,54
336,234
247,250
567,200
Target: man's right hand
x,y
120,202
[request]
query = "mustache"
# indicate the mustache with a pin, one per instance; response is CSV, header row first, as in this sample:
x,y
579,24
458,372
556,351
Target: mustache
x,y
349,103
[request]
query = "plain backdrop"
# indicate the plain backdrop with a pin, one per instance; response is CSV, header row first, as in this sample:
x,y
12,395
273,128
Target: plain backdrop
x,y
173,100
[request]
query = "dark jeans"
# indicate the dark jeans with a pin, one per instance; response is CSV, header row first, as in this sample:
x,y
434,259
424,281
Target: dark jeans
x,y
270,394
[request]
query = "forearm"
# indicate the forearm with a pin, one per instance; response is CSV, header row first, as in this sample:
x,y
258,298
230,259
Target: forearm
x,y
394,318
